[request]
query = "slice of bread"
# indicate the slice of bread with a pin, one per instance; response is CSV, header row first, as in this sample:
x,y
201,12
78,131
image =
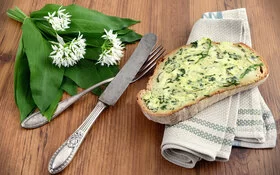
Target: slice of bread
x,y
195,76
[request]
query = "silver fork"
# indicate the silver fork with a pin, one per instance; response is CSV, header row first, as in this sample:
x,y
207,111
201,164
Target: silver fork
x,y
36,119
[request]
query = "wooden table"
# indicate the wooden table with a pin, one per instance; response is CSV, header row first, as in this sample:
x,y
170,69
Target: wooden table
x,y
122,140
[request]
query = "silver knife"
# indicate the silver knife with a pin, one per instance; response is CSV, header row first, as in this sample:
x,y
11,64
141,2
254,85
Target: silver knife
x,y
65,153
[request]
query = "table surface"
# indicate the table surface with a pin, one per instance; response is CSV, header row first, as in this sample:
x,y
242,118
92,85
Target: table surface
x,y
123,141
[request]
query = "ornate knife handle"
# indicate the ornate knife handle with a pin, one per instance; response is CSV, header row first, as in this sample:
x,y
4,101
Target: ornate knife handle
x,y
66,152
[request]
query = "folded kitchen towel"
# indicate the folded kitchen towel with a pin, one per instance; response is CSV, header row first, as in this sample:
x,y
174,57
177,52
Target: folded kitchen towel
x,y
255,127
242,120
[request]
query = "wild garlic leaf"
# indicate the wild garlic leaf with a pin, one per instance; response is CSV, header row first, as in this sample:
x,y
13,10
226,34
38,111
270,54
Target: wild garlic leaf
x,y
92,39
51,109
130,37
105,73
86,20
88,73
123,31
83,74
93,53
96,40
113,22
45,78
45,28
69,86
44,11
22,92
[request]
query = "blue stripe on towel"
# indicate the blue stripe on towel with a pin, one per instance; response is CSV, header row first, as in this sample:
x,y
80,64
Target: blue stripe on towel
x,y
213,15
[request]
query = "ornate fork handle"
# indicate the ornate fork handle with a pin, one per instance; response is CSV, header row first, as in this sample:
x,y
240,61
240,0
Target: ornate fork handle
x,y
65,153
37,119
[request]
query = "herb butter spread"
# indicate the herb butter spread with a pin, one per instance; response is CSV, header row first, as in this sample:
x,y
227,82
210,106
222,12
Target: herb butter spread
x,y
195,72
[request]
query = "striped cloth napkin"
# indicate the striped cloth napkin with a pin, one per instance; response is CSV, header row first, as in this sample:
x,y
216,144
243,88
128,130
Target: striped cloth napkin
x,y
242,120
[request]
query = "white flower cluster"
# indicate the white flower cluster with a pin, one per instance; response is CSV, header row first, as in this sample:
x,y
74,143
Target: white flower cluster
x,y
68,54
59,22
112,49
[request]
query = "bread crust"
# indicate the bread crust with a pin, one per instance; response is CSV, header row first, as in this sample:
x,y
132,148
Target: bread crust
x,y
189,110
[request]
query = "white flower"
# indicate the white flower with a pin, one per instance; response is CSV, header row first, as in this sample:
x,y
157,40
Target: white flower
x,y
112,49
68,54
59,22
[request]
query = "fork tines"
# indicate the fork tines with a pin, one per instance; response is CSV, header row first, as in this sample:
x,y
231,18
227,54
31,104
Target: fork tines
x,y
150,62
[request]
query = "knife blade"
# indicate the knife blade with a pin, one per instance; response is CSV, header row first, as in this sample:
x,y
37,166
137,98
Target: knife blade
x,y
65,153
116,88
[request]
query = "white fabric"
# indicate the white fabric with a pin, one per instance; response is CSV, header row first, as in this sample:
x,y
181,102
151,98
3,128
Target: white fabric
x,y
241,120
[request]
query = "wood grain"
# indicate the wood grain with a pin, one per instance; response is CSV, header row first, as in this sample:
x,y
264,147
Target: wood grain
x,y
122,140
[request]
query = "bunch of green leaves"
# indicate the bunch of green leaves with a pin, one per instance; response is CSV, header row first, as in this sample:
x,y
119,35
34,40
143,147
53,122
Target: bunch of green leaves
x,y
40,84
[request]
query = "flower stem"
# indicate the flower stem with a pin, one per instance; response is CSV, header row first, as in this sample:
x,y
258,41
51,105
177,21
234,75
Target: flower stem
x,y
106,45
17,14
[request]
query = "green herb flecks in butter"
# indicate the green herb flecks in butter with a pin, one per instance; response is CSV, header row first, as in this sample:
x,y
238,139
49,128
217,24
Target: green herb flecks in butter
x,y
198,71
